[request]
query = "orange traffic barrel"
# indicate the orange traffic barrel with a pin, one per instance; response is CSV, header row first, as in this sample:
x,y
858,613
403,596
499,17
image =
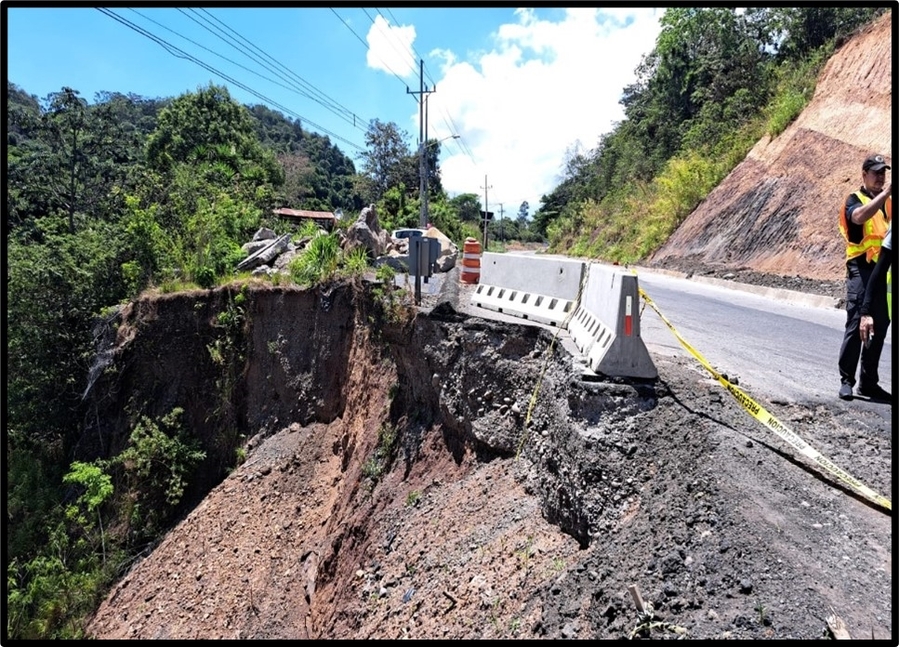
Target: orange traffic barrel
x,y
471,261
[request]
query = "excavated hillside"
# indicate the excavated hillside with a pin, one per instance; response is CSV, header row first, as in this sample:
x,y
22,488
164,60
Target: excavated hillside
x,y
776,213
443,475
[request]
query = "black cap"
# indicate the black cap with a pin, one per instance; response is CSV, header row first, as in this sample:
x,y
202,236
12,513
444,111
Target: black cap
x,y
874,163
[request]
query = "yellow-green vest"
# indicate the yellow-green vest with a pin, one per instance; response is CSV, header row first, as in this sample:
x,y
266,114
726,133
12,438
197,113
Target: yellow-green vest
x,y
873,229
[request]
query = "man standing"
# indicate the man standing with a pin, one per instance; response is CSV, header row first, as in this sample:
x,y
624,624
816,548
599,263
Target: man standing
x,y
863,223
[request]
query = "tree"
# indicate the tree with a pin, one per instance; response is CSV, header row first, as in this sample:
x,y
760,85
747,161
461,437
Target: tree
x,y
432,167
794,31
98,488
209,126
65,122
468,206
387,161
523,213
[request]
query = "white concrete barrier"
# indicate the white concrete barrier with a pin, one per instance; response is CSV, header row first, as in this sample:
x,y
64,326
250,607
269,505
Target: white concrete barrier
x,y
606,324
538,289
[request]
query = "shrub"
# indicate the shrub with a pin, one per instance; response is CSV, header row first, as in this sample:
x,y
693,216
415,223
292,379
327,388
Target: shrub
x,y
318,261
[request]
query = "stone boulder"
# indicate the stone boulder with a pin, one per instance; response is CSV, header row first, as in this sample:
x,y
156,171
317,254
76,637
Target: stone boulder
x,y
366,232
449,251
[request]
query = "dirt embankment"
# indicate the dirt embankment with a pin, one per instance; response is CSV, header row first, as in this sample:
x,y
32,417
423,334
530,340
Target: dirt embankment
x,y
776,213
419,494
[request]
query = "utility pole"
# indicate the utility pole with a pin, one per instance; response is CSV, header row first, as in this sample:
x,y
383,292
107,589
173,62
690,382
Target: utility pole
x,y
486,210
502,234
422,134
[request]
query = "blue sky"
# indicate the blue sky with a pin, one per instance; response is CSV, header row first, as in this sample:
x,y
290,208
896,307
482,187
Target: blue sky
x,y
520,86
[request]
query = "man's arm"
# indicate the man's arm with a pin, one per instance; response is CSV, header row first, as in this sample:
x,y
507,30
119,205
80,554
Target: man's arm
x,y
877,283
864,212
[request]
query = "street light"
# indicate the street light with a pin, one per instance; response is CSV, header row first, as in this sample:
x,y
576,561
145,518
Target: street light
x,y
423,187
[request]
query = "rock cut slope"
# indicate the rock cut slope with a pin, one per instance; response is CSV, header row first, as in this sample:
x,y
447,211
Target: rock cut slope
x,y
777,211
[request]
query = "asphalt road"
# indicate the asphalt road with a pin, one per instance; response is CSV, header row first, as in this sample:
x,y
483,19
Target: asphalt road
x,y
776,345
777,348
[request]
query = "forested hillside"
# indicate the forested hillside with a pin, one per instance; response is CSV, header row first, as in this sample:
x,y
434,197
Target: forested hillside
x,y
107,199
717,82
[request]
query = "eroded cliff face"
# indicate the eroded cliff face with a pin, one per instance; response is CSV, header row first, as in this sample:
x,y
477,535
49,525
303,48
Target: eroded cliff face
x,y
445,476
777,211
349,411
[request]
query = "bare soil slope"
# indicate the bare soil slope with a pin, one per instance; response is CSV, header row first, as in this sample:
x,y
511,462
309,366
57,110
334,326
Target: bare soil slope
x,y
483,522
776,213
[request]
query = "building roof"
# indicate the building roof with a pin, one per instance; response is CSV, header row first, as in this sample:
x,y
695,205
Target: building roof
x,y
300,213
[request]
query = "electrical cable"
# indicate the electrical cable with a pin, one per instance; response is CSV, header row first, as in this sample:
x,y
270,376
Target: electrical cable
x,y
364,44
233,62
324,100
179,53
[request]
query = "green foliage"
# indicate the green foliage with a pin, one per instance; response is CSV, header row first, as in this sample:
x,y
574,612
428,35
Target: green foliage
x,y
795,88
98,489
317,262
208,126
385,274
97,486
49,596
396,210
160,457
54,289
308,229
212,235
375,466
444,217
317,175
33,470
387,162
356,262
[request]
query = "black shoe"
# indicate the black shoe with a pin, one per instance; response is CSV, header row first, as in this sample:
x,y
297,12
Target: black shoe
x,y
846,392
874,392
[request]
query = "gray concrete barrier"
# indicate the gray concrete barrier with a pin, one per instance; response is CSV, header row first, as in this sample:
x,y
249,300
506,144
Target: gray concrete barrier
x,y
538,289
606,324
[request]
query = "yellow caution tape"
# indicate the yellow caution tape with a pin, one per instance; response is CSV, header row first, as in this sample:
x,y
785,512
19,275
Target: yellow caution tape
x,y
758,412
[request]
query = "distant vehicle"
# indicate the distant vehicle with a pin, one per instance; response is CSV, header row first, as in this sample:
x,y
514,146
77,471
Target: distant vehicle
x,y
407,233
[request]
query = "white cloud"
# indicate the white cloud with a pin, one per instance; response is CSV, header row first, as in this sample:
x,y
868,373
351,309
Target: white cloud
x,y
542,88
390,48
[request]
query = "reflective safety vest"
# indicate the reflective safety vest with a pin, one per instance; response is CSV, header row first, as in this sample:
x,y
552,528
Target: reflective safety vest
x,y
874,229
890,293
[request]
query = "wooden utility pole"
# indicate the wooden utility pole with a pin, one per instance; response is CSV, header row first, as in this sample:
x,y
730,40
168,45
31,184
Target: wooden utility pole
x,y
502,234
486,210
422,134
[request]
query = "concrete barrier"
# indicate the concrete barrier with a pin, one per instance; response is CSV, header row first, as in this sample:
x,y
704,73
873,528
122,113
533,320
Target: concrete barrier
x,y
538,289
606,324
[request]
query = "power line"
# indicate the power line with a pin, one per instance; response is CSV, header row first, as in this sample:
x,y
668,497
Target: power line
x,y
179,53
325,101
364,44
395,22
463,147
233,62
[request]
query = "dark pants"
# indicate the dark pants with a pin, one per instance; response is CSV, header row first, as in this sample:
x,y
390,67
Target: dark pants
x,y
857,275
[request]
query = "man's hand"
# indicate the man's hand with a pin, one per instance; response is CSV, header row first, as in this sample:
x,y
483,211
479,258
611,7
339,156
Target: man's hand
x,y
866,328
